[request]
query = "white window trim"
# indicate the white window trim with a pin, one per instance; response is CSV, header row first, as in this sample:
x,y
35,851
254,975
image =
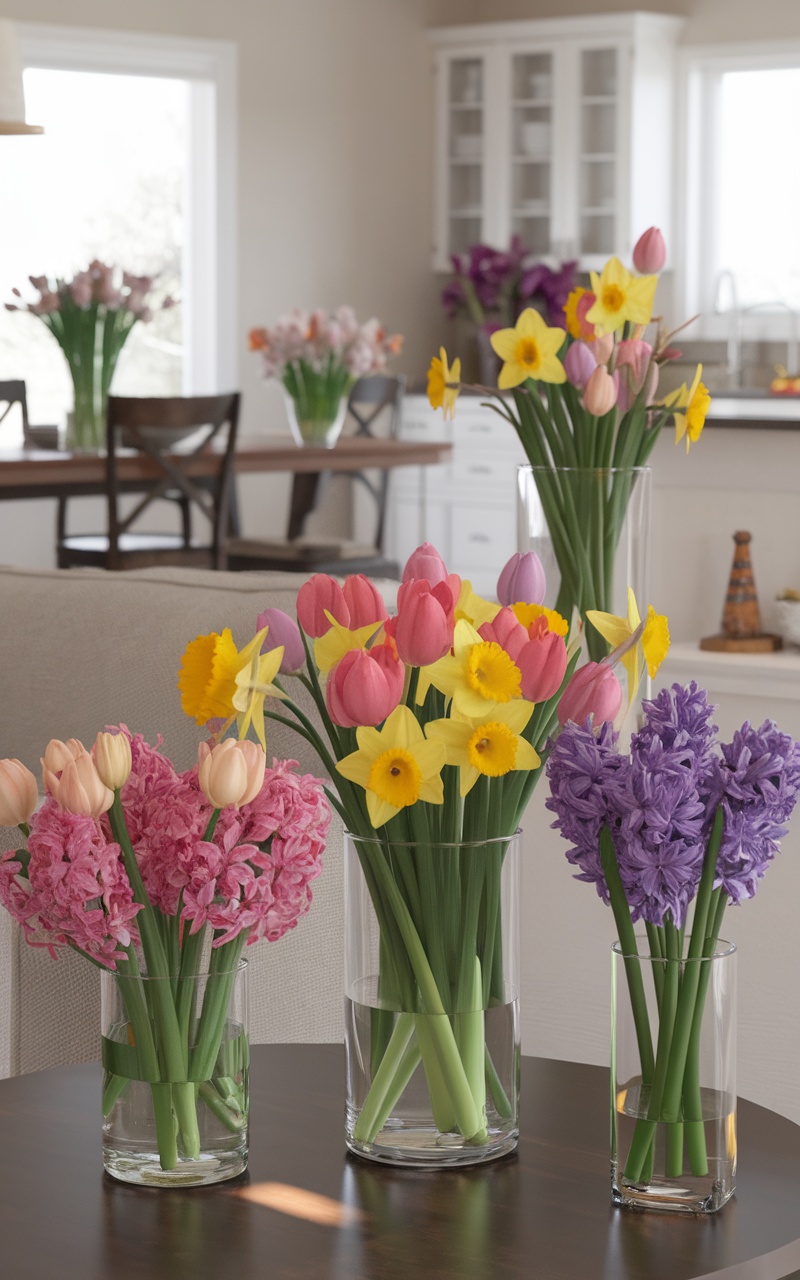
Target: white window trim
x,y
210,251
699,70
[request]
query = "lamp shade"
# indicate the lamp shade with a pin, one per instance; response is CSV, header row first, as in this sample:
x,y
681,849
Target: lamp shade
x,y
12,97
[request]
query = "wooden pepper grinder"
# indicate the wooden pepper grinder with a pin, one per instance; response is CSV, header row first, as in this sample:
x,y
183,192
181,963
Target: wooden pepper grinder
x,y
741,618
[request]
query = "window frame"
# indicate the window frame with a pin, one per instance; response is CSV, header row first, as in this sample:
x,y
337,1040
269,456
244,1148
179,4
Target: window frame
x,y
209,301
700,70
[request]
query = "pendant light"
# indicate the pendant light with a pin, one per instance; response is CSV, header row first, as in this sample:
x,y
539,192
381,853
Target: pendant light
x,y
12,97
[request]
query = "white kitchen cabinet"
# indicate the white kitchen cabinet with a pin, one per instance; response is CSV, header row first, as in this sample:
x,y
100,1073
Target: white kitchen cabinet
x,y
557,130
466,508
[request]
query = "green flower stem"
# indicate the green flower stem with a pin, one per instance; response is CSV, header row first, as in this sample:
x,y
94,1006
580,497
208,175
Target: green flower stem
x,y
113,1088
166,1129
692,1096
438,1092
211,1025
493,1083
657,954
228,1111
470,1034
627,941
644,1133
385,1080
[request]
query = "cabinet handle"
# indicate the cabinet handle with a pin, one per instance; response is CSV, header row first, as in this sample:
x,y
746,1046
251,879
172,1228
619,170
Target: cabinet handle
x,y
479,471
478,537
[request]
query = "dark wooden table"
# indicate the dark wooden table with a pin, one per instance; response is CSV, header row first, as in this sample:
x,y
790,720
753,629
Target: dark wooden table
x,y
307,1209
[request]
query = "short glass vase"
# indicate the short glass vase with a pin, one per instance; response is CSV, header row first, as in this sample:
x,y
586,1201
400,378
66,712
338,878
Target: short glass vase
x,y
432,1038
175,1057
673,1079
322,430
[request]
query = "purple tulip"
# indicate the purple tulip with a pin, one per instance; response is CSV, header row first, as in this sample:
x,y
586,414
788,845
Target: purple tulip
x,y
283,630
579,364
522,579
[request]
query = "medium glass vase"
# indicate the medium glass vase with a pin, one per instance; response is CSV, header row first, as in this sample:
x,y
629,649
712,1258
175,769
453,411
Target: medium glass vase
x,y
175,1055
673,1079
320,425
432,1000
590,528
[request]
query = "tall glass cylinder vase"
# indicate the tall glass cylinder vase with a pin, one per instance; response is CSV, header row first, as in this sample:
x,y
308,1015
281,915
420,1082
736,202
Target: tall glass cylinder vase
x,y
319,425
432,1000
673,1078
591,529
176,1076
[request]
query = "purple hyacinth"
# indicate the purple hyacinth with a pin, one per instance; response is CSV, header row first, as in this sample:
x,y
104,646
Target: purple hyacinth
x,y
583,770
757,781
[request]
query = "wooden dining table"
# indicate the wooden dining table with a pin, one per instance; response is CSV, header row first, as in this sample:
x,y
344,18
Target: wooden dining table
x,y
307,1210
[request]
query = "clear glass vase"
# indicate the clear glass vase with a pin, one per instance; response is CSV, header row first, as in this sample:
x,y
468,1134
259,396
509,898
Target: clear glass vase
x,y
176,1077
86,422
673,1077
590,528
432,1000
322,429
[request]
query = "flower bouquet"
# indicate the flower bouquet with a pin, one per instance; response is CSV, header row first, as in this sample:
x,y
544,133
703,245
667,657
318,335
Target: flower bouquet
x,y
492,286
583,403
318,357
434,722
669,835
159,878
91,317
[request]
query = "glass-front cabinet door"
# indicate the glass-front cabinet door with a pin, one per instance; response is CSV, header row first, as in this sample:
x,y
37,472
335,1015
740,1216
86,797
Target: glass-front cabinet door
x,y
598,158
531,149
466,140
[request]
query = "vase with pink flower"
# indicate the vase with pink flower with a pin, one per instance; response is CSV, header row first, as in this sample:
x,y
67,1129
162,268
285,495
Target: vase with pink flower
x,y
91,317
318,357
159,877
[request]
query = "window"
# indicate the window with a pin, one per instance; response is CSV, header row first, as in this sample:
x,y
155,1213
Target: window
x,y
741,191
136,168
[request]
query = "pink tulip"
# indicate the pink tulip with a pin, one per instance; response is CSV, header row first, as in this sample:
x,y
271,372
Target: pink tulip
x,y
633,366
79,788
423,626
580,363
425,562
19,793
585,303
364,600
365,686
282,630
522,579
506,630
321,593
595,691
650,252
542,662
600,392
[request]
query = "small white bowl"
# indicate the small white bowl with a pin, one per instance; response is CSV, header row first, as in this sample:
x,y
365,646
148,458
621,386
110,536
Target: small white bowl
x,y
787,619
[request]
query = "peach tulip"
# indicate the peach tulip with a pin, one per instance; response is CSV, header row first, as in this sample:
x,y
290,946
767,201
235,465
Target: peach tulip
x,y
595,691
365,686
112,758
58,754
600,392
230,773
78,788
320,594
423,626
19,793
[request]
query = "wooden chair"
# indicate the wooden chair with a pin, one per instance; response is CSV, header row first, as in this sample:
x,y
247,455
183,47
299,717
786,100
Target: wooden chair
x,y
374,400
172,431
12,393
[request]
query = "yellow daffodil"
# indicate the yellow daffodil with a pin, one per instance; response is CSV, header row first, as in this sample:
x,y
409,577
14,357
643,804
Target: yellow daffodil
x,y
473,607
475,673
442,394
396,766
529,350
693,401
620,296
253,685
489,744
575,314
652,647
331,648
528,613
207,678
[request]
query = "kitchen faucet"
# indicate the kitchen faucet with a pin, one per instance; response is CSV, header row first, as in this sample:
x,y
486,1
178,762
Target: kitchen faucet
x,y
736,314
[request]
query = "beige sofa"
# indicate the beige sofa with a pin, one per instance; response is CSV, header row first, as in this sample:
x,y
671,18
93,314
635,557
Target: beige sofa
x,y
82,649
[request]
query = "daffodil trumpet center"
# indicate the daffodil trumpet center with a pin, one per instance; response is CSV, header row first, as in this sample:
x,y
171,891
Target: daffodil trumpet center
x,y
491,673
395,777
613,297
492,749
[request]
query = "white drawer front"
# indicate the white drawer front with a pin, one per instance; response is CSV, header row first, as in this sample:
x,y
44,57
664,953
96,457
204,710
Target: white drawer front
x,y
486,470
483,537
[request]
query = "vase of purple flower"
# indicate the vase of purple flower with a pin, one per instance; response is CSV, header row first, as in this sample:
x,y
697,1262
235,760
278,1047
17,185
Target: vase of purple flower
x,y
669,834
